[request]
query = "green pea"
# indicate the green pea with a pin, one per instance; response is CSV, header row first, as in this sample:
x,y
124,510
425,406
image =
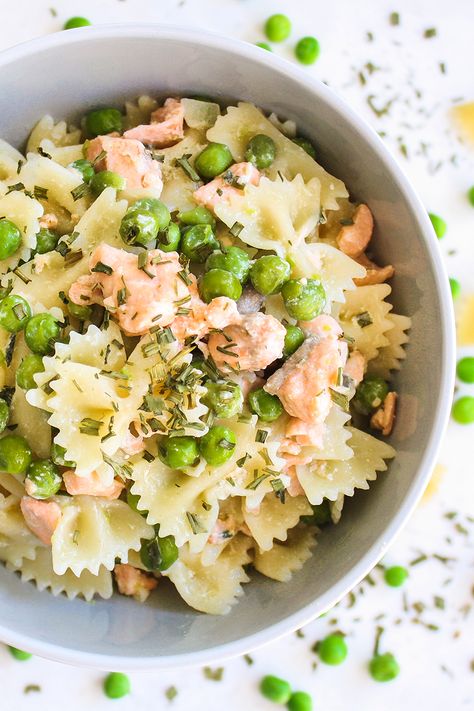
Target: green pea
x,y
10,238
157,207
46,241
168,240
41,332
470,195
278,27
307,50
159,553
332,649
261,151
306,145
15,312
217,445
116,685
223,397
267,407
293,339
213,160
321,514
15,454
29,366
395,576
139,228
304,298
82,313
463,410
103,121
384,667
465,369
264,45
4,414
439,225
179,452
42,479
75,22
85,168
58,455
455,288
300,701
19,654
370,394
269,273
218,282
197,216
107,179
275,689
198,242
233,259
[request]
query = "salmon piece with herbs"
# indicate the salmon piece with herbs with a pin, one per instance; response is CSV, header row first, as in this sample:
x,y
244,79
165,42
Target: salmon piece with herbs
x,y
165,127
128,158
41,517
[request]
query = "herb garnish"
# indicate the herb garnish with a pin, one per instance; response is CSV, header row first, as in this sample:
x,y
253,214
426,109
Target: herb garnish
x,y
184,163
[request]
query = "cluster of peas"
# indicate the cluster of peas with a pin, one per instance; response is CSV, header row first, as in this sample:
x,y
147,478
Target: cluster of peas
x,y
463,408
278,28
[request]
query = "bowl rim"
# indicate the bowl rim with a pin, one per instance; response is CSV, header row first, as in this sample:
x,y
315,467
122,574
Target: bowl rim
x,y
309,612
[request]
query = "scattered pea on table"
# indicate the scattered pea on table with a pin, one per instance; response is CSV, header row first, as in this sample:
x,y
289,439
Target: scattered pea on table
x,y
278,27
300,701
439,225
307,50
384,667
332,649
264,45
275,689
463,410
19,654
116,685
75,22
395,576
455,288
470,195
465,369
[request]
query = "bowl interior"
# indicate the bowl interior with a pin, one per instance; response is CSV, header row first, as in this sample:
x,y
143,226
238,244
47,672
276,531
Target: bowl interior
x,y
67,76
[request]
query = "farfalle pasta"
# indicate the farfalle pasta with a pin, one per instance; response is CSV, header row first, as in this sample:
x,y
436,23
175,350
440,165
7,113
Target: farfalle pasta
x,y
187,329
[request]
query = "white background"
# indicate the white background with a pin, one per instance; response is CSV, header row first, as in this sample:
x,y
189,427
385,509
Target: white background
x,y
436,665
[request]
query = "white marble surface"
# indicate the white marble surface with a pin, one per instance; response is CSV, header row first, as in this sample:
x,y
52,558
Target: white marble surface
x,y
436,665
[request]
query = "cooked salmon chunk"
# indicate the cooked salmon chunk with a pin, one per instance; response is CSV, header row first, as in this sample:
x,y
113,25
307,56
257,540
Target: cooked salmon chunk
x,y
41,517
251,344
138,300
128,158
303,382
353,239
222,188
91,485
165,127
134,582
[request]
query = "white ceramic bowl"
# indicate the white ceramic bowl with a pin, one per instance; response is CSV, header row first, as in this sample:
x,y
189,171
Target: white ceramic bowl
x,y
67,73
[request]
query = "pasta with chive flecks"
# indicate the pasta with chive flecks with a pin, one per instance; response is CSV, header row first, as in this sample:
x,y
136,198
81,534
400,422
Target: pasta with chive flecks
x,y
168,413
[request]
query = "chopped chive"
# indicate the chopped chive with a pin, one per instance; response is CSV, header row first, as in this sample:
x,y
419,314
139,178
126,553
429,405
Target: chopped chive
x,y
184,163
257,481
20,275
340,399
122,296
73,257
88,426
43,153
236,229
194,522
102,268
261,436
364,319
40,193
79,192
